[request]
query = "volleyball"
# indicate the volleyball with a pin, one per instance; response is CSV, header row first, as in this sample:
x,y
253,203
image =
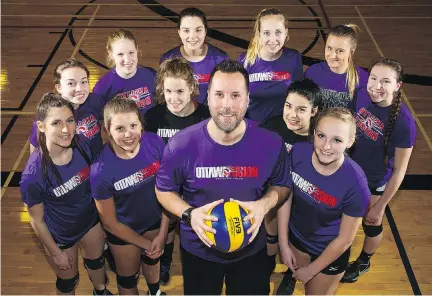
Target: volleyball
x,y
230,228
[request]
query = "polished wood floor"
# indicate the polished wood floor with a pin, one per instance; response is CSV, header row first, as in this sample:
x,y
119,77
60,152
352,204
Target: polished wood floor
x,y
37,35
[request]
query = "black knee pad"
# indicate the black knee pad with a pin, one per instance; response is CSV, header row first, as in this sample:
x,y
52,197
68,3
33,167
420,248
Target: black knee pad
x,y
129,281
95,264
272,239
67,285
146,260
372,230
172,227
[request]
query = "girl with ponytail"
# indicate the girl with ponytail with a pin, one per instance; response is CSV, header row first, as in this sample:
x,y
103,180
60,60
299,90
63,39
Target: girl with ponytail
x,y
123,185
338,72
271,66
55,188
383,148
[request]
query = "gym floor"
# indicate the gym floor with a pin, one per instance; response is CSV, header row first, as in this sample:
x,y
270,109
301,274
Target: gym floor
x,y
36,36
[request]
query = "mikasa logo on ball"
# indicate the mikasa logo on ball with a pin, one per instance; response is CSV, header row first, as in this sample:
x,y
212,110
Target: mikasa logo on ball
x,y
226,172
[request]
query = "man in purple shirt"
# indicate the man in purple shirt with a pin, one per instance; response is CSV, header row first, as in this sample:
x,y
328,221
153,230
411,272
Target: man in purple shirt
x,y
209,163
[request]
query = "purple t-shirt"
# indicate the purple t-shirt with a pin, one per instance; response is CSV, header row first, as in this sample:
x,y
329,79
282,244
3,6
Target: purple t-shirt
x,y
87,118
140,88
69,210
202,69
205,171
319,201
131,182
269,81
368,150
327,79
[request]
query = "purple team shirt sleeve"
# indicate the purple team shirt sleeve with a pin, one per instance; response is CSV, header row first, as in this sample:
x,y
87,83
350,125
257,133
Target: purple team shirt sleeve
x,y
405,136
31,192
102,87
241,58
289,167
163,58
169,176
100,188
99,104
280,175
298,68
356,201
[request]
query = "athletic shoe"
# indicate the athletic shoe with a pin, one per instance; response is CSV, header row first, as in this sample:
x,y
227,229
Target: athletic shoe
x,y
106,292
159,292
354,271
164,272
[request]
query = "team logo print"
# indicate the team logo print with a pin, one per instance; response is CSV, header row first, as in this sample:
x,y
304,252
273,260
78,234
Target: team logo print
x,y
368,124
141,96
167,132
313,191
137,177
288,147
202,78
135,98
81,129
72,183
269,76
88,127
226,172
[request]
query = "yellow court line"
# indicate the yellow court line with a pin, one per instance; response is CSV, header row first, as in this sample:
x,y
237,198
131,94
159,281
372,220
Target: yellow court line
x,y
20,157
369,32
404,97
18,113
14,168
85,32
424,115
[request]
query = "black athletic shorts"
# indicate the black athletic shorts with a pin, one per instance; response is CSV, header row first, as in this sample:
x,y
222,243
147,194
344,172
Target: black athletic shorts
x,y
111,238
336,267
70,245
377,190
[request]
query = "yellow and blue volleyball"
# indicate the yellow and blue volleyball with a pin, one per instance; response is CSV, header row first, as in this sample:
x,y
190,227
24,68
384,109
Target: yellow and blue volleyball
x,y
230,228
